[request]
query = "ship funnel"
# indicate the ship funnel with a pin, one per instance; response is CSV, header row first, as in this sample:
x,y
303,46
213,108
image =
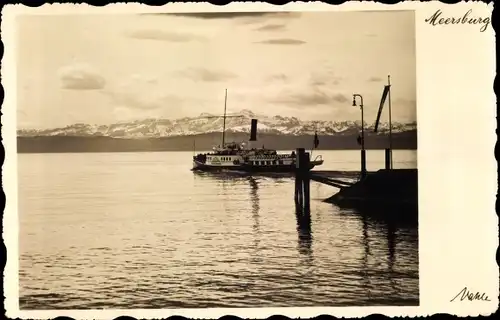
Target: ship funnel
x,y
253,130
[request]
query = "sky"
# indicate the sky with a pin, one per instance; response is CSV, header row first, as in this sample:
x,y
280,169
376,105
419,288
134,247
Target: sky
x,y
103,69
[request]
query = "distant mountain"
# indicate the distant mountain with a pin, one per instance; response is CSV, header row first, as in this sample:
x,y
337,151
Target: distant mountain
x,y
204,132
205,142
208,123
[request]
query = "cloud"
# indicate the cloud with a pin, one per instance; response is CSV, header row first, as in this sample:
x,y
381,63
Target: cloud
x,y
237,17
161,35
229,15
272,27
205,75
140,92
283,41
81,77
144,101
405,102
317,82
277,77
375,79
314,98
323,78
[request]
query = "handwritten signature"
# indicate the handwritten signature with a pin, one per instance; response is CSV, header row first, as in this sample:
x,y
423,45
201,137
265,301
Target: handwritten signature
x,y
436,19
465,294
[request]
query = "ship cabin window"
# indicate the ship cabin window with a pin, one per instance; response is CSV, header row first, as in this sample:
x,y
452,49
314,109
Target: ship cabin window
x,y
280,161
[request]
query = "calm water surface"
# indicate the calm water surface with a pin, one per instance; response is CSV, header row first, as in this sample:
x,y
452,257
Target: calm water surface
x,y
140,230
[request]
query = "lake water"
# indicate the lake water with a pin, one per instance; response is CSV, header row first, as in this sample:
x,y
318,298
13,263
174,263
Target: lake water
x,y
140,230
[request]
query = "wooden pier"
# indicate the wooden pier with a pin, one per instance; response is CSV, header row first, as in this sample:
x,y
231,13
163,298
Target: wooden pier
x,y
325,179
382,190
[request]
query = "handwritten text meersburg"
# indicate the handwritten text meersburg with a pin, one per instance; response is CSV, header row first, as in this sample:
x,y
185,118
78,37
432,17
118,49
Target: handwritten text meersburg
x,y
466,18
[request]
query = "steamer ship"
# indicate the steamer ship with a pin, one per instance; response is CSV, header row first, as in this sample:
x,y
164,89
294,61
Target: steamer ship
x,y
246,158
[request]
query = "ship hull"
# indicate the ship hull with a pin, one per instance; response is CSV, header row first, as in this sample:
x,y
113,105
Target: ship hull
x,y
198,166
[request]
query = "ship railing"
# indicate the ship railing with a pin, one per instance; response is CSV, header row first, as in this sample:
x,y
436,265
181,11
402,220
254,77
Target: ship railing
x,y
267,156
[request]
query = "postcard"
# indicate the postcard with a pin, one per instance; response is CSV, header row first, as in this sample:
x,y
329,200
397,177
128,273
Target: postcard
x,y
249,160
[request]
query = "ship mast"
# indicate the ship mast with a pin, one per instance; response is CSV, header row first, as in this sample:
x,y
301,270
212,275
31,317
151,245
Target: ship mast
x,y
224,124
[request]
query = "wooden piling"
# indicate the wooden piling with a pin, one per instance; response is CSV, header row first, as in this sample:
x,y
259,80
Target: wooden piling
x,y
388,153
302,180
306,181
299,186
363,163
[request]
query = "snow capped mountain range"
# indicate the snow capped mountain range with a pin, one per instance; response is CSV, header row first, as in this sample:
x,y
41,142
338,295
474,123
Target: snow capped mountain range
x,y
207,123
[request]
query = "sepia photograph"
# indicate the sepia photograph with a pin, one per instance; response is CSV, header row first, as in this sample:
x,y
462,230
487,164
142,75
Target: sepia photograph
x,y
217,159
249,160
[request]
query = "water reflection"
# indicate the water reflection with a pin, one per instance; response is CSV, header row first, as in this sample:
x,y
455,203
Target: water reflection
x,y
391,257
207,246
375,228
254,198
383,237
227,175
366,254
303,218
304,244
254,187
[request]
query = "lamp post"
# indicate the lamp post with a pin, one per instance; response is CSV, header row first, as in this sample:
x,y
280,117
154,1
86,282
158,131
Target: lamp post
x,y
363,152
